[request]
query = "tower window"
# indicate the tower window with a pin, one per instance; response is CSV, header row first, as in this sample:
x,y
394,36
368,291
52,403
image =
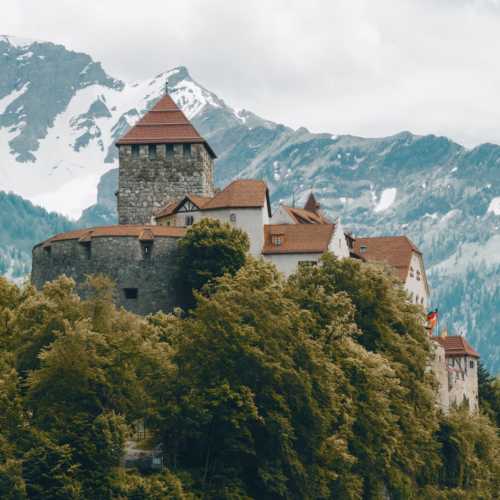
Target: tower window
x,y
147,249
189,220
152,151
169,150
187,149
135,150
131,293
48,250
471,364
87,249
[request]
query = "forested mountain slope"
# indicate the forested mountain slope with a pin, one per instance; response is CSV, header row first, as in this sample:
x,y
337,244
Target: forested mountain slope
x,y
60,113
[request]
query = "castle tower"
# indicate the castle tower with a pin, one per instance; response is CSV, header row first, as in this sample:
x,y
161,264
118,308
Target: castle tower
x,y
161,158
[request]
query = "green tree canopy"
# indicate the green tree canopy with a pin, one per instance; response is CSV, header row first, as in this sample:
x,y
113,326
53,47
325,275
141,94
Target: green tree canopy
x,y
209,249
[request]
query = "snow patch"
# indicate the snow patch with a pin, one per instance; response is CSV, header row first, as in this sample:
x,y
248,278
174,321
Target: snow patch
x,y
25,56
10,98
387,198
494,206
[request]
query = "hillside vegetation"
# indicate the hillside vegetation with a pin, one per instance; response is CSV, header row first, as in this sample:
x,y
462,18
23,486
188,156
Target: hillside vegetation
x,y
312,387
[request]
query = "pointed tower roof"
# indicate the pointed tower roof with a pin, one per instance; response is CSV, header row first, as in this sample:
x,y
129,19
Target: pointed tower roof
x,y
165,123
312,204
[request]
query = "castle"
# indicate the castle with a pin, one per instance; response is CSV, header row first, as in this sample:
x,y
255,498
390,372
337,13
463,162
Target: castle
x,y
166,184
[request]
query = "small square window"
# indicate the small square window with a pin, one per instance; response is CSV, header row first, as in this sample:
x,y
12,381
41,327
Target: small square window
x,y
135,150
277,240
307,263
187,149
131,293
152,151
232,218
189,220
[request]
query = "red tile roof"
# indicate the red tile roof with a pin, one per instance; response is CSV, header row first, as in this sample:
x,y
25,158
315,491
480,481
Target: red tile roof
x,y
165,123
241,193
311,204
173,206
456,346
303,216
396,251
297,238
143,232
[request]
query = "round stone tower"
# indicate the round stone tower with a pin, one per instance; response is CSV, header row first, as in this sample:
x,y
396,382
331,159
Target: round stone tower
x,y
161,158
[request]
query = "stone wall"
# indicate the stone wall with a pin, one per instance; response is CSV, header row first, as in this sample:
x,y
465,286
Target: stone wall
x,y
145,184
120,258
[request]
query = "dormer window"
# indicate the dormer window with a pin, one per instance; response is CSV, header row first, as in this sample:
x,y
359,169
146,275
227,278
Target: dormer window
x,y
135,150
152,151
277,240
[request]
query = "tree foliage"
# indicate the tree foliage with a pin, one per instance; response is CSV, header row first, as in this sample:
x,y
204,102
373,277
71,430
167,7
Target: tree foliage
x,y
209,249
312,387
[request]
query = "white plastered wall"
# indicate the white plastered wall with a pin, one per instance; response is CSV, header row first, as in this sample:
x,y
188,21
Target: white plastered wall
x,y
338,243
287,263
417,287
281,216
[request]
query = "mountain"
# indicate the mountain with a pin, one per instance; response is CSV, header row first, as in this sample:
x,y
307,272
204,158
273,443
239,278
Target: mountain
x,y
60,113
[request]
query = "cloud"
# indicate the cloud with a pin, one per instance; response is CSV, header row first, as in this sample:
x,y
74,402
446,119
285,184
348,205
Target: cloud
x,y
344,66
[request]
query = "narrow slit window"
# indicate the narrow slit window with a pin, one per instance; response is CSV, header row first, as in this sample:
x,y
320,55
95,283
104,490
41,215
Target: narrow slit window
x,y
131,293
87,250
147,249
152,151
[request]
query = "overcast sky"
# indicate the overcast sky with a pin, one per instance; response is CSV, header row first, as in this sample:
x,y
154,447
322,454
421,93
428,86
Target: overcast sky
x,y
365,67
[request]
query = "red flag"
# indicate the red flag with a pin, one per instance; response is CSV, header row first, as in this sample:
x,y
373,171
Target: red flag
x,y
432,318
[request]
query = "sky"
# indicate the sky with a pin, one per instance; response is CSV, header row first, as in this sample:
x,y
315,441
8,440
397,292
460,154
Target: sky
x,y
363,67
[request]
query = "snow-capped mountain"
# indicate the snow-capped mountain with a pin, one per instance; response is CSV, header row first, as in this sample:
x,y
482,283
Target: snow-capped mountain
x,y
60,114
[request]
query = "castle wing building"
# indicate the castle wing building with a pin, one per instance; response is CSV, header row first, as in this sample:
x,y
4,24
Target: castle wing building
x,y
403,257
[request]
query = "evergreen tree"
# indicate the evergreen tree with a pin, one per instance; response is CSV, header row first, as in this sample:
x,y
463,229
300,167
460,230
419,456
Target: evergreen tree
x,y
489,394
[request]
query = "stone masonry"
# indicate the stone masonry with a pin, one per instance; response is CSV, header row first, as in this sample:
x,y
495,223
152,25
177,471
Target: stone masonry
x,y
120,258
148,182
